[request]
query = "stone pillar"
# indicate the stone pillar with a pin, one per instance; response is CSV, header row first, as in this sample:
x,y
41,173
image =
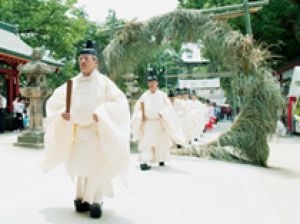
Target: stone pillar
x,y
36,90
132,89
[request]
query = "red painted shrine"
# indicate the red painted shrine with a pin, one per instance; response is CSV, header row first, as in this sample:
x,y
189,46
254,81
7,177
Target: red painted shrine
x,y
13,52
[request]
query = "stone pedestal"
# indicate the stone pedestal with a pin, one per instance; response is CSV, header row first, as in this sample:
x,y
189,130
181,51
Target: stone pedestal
x,y
30,139
131,89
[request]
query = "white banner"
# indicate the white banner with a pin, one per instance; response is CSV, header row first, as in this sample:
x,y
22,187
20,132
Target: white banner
x,y
295,84
203,83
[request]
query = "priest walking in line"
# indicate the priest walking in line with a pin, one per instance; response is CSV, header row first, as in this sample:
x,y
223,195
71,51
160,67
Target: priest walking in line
x,y
155,125
91,137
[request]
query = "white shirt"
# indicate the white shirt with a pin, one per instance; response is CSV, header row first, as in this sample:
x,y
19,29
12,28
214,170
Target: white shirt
x,y
3,102
18,107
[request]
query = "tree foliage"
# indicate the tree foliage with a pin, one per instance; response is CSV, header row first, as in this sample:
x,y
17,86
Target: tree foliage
x,y
54,24
58,26
277,24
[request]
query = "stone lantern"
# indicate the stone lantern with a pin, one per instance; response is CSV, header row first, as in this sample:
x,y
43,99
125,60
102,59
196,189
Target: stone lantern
x,y
132,88
36,90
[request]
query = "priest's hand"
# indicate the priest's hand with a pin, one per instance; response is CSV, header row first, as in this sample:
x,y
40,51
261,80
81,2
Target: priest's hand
x,y
95,117
66,116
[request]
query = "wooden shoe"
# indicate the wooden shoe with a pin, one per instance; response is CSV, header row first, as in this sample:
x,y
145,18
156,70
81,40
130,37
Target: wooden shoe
x,y
81,206
95,211
145,166
161,163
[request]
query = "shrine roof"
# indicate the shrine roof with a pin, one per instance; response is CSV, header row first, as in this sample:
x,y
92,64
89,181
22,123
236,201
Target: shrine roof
x,y
12,44
191,54
289,66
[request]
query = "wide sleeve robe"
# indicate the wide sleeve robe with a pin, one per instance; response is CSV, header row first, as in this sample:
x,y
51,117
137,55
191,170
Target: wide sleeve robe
x,y
98,95
168,118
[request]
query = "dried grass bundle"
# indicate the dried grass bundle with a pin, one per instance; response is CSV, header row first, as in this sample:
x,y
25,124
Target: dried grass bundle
x,y
246,141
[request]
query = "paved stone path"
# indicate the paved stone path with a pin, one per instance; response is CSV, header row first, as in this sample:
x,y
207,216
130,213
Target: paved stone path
x,y
188,190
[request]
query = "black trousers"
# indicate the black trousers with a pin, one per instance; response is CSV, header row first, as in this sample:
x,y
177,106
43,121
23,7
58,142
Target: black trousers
x,y
2,119
18,121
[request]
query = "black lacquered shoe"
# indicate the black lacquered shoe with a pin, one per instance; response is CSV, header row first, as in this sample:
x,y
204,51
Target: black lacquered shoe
x,y
81,206
95,211
161,163
145,166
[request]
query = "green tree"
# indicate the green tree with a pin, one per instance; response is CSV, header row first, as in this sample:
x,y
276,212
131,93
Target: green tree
x,y
277,24
202,4
60,27
166,61
54,24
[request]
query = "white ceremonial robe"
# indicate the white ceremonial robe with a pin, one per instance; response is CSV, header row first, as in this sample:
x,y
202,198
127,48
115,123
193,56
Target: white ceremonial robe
x,y
161,127
199,115
187,119
95,152
178,105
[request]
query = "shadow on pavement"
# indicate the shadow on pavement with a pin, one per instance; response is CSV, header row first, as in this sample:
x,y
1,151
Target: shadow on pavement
x,y
285,172
58,215
167,169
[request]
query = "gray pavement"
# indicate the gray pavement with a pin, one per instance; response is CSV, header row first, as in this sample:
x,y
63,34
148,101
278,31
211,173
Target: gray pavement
x,y
188,190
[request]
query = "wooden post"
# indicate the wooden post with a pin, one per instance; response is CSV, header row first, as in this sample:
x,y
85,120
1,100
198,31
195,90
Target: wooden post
x,y
69,95
247,17
143,111
10,93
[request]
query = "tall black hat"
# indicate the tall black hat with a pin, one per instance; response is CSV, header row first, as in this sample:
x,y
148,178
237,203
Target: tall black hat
x,y
89,48
171,93
178,91
151,75
186,90
151,78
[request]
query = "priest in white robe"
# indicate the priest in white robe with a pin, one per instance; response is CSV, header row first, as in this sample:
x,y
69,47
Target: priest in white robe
x,y
199,114
186,116
92,140
155,125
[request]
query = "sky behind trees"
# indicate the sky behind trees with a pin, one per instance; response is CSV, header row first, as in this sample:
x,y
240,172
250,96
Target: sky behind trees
x,y
129,9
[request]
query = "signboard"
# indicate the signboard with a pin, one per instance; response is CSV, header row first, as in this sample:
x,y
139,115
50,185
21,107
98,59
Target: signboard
x,y
295,85
198,84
